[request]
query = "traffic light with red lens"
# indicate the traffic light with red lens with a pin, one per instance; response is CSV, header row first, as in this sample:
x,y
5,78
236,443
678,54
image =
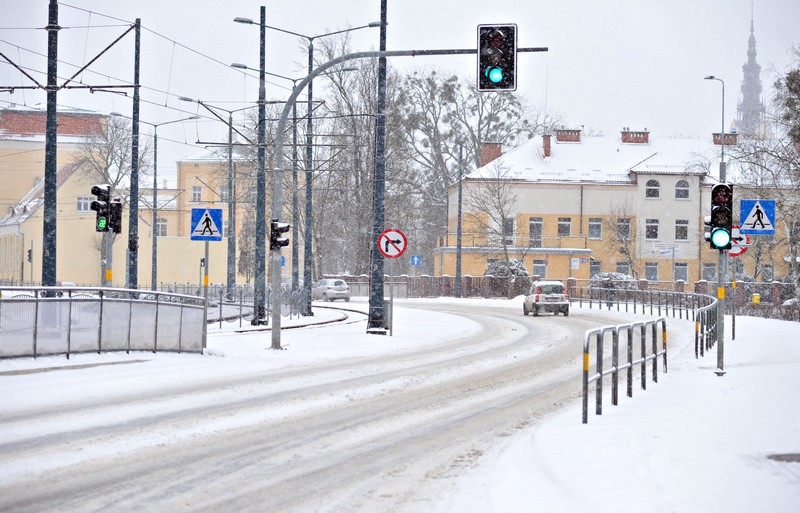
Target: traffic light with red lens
x,y
721,228
497,57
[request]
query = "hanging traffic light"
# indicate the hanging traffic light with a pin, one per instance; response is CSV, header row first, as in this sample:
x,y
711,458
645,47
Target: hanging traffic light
x,y
115,215
100,205
721,216
276,242
497,57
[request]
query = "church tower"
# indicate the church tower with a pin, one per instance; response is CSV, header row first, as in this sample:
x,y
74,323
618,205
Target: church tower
x,y
750,111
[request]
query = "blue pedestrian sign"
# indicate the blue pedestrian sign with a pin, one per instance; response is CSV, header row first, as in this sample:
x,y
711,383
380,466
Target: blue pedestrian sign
x,y
206,224
416,260
757,217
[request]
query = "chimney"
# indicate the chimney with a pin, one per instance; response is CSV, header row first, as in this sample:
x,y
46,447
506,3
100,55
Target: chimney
x,y
568,135
490,151
635,136
546,144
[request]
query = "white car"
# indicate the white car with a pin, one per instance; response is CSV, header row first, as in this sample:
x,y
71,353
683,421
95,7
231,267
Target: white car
x,y
546,296
331,289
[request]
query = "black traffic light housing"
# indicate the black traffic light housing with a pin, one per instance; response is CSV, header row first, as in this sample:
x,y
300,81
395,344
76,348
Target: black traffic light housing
x,y
101,206
115,215
497,57
276,242
721,229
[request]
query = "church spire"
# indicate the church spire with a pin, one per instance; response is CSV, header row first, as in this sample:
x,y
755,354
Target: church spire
x,y
750,112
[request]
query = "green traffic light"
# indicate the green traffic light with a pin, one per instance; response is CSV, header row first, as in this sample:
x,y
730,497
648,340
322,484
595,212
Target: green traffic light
x,y
720,238
494,74
102,223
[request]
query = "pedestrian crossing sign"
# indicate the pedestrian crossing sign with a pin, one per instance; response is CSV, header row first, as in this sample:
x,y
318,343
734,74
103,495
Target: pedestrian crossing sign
x,y
757,217
206,224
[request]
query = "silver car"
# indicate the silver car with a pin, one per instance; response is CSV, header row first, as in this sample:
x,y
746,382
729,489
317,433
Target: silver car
x,y
331,289
546,296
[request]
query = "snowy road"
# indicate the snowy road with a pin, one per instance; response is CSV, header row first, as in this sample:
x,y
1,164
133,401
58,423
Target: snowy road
x,y
375,432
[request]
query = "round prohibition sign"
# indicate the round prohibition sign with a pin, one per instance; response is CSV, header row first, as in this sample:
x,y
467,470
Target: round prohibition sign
x,y
392,243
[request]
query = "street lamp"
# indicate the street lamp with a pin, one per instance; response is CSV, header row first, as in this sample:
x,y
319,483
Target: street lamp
x,y
722,267
259,312
231,271
154,252
307,257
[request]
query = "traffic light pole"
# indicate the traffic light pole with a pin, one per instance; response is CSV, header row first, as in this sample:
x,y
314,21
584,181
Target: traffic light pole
x,y
723,271
376,310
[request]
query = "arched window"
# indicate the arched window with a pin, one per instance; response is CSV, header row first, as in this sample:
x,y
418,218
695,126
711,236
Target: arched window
x,y
652,189
682,190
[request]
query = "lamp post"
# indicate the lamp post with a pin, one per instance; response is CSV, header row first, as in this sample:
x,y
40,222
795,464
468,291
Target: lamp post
x,y
259,312
307,257
231,269
154,251
722,267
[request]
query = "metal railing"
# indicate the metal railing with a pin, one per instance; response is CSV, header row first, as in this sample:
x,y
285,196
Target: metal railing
x,y
641,359
40,321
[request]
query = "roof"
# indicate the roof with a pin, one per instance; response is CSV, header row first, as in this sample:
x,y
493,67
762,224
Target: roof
x,y
35,197
597,159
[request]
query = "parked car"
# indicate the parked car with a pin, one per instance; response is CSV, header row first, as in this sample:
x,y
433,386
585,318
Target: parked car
x,y
331,289
546,296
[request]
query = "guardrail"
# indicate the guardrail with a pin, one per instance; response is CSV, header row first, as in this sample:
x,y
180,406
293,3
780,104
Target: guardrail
x,y
42,321
658,302
641,359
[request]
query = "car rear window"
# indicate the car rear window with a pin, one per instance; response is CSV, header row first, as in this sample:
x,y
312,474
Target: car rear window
x,y
551,288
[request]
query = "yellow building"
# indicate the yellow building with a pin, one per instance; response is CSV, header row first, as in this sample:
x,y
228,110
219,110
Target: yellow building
x,y
572,206
202,183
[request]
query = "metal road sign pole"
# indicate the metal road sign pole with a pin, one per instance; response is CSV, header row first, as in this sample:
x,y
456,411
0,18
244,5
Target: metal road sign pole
x,y
205,296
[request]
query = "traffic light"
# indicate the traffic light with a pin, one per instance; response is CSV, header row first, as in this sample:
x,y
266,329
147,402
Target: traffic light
x,y
115,215
497,57
30,255
100,205
276,242
721,216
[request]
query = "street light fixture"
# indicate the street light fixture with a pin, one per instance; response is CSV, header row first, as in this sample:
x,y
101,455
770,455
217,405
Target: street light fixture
x,y
259,289
276,204
307,259
722,267
154,251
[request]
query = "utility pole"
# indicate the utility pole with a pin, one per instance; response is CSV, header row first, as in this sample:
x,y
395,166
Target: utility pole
x,y
50,150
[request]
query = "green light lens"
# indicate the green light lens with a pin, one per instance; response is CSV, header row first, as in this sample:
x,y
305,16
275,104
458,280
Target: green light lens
x,y
102,222
720,238
494,74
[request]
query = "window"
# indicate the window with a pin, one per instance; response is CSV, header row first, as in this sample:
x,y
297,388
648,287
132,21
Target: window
x,y
652,189
196,190
540,268
84,203
651,229
681,271
564,226
651,271
623,228
161,227
682,190
623,267
681,229
595,228
508,231
535,228
709,272
595,266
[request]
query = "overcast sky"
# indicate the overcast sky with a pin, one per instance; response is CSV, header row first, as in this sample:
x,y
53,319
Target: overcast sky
x,y
611,63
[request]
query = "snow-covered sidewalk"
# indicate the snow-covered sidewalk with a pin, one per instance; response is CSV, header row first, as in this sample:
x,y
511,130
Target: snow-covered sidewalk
x,y
692,442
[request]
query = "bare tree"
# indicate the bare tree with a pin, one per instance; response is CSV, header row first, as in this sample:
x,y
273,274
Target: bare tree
x,y
624,236
105,158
